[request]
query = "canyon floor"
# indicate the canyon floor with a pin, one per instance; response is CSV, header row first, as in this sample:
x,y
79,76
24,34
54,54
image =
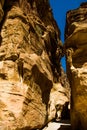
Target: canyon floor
x,y
62,125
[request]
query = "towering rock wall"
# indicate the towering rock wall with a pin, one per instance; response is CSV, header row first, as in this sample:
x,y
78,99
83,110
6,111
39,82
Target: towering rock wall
x,y
76,55
30,53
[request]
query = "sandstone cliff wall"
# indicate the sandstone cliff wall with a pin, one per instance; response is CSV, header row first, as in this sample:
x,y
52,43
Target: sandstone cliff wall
x,y
30,53
76,56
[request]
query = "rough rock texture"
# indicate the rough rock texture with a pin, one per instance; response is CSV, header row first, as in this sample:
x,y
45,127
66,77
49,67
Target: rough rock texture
x,y
59,102
30,53
76,55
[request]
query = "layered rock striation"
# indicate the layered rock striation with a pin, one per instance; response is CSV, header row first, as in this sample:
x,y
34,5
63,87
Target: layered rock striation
x,y
76,56
30,53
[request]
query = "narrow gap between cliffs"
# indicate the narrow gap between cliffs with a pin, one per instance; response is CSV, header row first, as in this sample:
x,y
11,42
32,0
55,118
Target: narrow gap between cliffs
x,y
59,9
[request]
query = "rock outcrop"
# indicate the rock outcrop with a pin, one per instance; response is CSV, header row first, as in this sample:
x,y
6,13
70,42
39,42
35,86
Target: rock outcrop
x,y
76,55
30,53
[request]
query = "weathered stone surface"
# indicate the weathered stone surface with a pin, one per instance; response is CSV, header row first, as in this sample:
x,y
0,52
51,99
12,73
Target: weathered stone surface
x,y
76,55
30,53
58,103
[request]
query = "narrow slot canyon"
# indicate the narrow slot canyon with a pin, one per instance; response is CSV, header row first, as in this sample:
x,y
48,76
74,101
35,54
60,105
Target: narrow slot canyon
x,y
38,89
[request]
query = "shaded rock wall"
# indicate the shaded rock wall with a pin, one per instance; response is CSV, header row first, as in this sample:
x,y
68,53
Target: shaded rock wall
x,y
76,56
30,53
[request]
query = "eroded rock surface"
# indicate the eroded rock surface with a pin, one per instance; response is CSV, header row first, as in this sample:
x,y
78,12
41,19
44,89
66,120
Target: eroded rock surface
x,y
59,102
76,55
30,53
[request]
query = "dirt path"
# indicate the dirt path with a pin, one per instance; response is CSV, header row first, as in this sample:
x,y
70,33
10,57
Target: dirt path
x,y
63,125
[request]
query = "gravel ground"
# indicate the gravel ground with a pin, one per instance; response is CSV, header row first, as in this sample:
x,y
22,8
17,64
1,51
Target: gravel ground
x,y
63,125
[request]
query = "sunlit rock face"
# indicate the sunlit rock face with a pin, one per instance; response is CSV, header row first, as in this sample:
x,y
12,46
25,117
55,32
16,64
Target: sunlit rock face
x,y
59,101
76,55
30,53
